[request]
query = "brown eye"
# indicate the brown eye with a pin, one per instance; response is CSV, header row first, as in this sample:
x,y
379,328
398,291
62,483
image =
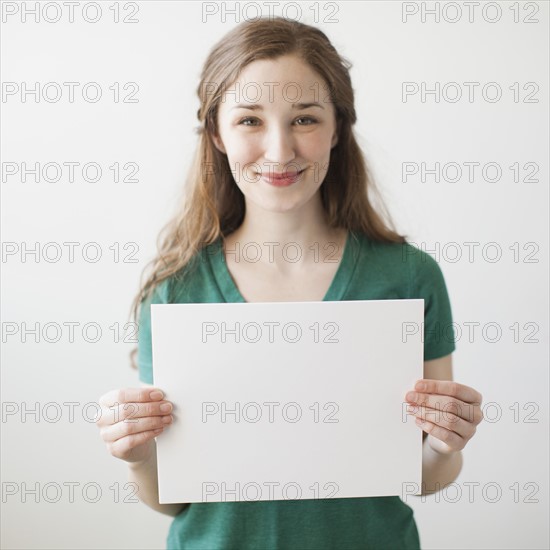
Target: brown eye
x,y
308,118
247,119
309,121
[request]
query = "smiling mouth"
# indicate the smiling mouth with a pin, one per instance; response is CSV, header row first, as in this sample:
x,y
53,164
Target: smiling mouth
x,y
282,180
282,175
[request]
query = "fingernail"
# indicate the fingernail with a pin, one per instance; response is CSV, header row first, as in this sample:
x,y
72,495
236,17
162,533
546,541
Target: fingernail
x,y
411,396
166,407
167,419
421,386
156,395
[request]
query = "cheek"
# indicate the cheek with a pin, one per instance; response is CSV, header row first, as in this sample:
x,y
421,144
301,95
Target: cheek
x,y
245,153
242,141
243,158
318,155
316,146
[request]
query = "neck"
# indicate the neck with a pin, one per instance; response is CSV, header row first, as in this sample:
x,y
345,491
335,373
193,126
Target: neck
x,y
301,235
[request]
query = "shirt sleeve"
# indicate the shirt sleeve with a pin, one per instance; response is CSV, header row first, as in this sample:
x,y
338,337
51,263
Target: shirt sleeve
x,y
427,282
144,358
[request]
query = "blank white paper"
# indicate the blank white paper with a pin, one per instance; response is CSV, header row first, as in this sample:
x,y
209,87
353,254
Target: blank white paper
x,y
287,400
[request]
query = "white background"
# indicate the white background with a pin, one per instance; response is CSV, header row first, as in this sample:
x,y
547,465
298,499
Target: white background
x,y
164,53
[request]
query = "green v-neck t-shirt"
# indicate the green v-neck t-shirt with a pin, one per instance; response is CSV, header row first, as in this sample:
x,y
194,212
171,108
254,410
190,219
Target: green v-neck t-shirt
x,y
368,270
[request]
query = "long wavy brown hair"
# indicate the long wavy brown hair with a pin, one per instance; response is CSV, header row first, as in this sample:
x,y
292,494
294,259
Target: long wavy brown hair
x,y
212,204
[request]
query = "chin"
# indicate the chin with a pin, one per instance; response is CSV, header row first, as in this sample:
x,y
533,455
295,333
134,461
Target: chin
x,y
292,202
278,206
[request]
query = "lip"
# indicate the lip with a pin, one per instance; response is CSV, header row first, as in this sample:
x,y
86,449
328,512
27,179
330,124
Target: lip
x,y
283,179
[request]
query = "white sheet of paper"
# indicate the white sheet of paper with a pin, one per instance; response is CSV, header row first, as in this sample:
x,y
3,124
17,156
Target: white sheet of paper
x,y
309,403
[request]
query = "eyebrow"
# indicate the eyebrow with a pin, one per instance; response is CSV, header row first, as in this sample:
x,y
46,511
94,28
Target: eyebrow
x,y
257,107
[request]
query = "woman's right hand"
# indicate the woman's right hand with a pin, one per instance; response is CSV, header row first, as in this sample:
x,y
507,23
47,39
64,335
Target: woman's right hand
x,y
130,419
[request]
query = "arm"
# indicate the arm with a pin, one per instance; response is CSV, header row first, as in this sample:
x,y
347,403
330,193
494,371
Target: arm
x,y
145,475
438,469
447,412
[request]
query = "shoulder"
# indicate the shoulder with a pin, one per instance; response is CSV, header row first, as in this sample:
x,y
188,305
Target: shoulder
x,y
190,283
405,254
404,261
395,253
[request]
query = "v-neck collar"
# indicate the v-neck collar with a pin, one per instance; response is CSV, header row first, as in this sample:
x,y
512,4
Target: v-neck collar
x,y
335,292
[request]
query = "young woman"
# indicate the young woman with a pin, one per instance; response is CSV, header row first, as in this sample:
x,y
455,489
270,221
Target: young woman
x,y
278,162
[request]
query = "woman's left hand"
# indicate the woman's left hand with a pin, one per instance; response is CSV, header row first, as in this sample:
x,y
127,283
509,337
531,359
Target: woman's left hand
x,y
449,412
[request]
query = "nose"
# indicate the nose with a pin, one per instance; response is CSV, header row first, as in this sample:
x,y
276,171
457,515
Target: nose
x,y
279,148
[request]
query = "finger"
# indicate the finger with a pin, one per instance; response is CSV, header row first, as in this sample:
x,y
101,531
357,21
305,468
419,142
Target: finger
x,y
113,433
450,388
130,412
446,405
130,395
452,439
122,446
448,421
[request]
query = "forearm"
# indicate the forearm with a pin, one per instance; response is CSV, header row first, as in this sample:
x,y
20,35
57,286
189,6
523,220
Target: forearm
x,y
145,475
438,470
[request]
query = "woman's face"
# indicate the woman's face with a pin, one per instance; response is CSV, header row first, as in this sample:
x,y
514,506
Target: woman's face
x,y
266,129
